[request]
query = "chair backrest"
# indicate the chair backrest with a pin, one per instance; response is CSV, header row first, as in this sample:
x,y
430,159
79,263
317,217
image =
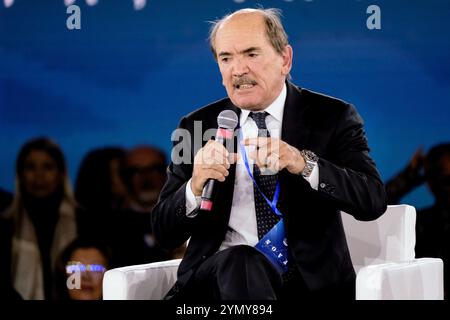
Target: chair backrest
x,y
390,238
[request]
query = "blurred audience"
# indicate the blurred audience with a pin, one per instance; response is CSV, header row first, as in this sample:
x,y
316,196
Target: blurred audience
x,y
81,269
99,187
6,289
143,174
5,199
406,180
433,223
41,221
116,192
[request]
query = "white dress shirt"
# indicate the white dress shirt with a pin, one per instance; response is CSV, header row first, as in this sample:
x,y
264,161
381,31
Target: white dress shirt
x,y
242,225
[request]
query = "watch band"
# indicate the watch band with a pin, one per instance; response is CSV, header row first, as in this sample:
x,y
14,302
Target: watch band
x,y
310,162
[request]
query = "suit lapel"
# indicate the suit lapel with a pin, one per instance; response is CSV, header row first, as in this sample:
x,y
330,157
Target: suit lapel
x,y
295,130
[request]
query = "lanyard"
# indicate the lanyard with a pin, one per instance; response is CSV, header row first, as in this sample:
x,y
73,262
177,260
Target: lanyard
x,y
273,245
273,203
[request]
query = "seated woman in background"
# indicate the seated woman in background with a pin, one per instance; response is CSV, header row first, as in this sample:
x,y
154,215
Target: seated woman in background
x,y
81,269
40,223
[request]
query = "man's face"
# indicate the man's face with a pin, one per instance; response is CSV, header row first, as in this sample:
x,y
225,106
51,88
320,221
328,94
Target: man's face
x,y
253,73
147,175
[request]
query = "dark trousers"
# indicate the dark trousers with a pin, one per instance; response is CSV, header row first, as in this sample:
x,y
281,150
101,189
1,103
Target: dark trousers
x,y
243,273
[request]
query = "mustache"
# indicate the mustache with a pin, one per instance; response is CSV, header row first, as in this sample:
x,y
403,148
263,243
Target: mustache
x,y
243,81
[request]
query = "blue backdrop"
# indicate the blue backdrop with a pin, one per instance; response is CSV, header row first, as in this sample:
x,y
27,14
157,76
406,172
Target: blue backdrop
x,y
128,75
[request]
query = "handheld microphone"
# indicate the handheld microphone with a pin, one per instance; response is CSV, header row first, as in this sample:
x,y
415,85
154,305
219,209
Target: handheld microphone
x,y
227,121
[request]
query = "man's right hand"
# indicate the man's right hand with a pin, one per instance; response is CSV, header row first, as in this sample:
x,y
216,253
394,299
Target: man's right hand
x,y
211,162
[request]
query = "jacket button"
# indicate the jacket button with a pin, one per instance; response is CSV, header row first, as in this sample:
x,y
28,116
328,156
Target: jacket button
x,y
322,185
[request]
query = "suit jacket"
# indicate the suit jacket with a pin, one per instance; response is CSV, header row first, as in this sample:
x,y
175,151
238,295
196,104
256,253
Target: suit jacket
x,y
348,181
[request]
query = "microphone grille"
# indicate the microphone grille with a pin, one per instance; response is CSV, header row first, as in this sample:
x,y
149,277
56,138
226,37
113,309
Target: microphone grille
x,y
227,119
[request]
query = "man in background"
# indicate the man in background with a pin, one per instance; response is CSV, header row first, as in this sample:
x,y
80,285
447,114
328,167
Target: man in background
x,y
143,171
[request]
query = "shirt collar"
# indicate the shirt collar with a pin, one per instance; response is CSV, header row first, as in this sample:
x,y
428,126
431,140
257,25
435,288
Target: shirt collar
x,y
275,109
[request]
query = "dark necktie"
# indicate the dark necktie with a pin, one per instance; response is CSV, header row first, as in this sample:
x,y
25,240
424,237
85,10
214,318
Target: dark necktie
x,y
265,217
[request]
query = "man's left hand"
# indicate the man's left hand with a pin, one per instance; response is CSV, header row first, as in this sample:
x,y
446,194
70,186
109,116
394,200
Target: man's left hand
x,y
274,154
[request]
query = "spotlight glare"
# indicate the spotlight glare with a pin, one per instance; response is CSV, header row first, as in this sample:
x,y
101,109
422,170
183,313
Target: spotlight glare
x,y
91,2
139,4
8,3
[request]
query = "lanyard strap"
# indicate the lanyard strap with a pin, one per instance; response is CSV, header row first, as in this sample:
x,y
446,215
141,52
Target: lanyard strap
x,y
273,203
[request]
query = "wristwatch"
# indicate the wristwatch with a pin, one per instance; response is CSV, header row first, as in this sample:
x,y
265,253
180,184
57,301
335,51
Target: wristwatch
x,y
310,162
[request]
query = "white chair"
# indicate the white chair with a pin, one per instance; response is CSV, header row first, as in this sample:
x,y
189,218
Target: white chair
x,y
382,252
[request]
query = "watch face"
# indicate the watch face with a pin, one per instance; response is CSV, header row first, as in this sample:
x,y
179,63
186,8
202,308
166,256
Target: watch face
x,y
309,155
311,160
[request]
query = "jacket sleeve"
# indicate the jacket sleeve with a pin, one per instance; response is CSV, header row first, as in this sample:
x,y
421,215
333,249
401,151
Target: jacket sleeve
x,y
170,224
349,178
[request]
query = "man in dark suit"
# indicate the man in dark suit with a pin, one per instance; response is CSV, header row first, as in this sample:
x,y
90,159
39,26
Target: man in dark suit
x,y
314,155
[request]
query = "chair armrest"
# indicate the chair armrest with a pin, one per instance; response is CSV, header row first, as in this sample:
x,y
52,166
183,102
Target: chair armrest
x,y
418,279
140,282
